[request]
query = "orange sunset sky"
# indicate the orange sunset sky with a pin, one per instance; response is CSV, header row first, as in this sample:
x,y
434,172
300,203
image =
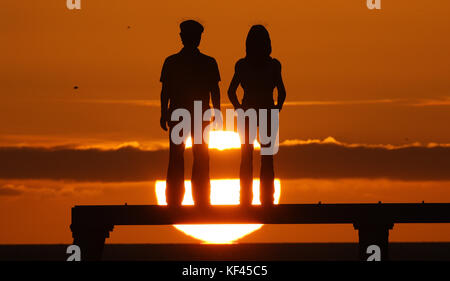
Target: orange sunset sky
x,y
366,115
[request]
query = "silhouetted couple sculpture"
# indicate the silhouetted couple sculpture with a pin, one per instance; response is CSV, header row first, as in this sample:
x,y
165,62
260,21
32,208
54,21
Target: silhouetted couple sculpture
x,y
189,76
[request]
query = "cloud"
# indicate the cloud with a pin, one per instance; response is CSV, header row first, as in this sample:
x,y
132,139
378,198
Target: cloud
x,y
417,102
421,102
445,101
331,140
10,190
61,141
343,102
327,159
331,160
136,102
39,188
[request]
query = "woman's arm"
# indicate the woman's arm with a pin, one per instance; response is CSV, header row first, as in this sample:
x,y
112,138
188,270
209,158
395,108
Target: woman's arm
x,y
279,84
234,84
281,94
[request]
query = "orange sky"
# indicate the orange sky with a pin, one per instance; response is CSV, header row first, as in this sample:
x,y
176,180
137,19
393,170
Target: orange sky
x,y
44,215
361,76
388,69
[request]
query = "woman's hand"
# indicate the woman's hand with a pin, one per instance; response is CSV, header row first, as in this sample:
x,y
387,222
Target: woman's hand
x,y
279,107
237,106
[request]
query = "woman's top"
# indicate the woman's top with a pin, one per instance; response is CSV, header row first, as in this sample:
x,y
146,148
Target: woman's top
x,y
258,79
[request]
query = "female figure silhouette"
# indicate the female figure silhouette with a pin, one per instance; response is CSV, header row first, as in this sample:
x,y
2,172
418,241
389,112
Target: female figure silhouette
x,y
258,74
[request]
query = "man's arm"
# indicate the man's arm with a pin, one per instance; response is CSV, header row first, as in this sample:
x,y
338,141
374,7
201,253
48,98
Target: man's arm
x,y
215,96
164,107
165,80
214,88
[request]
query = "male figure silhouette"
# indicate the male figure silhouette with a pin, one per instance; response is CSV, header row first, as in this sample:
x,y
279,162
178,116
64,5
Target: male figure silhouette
x,y
186,77
258,74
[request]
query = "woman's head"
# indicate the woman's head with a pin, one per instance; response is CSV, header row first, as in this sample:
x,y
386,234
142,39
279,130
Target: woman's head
x,y
258,45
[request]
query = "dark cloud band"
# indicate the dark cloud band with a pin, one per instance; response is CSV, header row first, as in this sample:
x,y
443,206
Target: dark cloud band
x,y
321,161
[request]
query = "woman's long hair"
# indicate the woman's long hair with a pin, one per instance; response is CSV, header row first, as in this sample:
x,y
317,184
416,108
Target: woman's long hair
x,y
258,46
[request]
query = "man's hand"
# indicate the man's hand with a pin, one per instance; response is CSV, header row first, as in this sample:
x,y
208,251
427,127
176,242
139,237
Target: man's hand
x,y
216,119
163,121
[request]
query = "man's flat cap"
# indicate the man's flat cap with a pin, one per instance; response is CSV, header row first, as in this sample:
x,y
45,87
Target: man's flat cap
x,y
191,26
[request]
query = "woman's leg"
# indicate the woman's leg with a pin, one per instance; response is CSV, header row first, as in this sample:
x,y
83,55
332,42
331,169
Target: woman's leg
x,y
267,177
267,173
246,169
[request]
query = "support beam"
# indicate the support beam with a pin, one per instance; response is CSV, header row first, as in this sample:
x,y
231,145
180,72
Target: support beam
x,y
91,240
376,234
91,224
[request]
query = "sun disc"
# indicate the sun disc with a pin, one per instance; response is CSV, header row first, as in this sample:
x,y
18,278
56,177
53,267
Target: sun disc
x,y
223,192
222,140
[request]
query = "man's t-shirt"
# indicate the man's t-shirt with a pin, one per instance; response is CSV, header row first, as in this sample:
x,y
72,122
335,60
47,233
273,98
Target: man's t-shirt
x,y
189,76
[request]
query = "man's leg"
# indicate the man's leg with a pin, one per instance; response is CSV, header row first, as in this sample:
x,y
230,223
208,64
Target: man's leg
x,y
201,186
175,174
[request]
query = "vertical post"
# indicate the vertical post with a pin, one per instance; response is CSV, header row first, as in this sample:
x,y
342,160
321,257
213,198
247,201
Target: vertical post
x,y
373,234
91,240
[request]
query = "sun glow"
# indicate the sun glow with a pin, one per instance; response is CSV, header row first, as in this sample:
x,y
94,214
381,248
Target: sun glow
x,y
222,140
223,192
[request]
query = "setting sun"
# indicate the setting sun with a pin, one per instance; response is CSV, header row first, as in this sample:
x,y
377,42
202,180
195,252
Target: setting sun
x,y
222,140
223,192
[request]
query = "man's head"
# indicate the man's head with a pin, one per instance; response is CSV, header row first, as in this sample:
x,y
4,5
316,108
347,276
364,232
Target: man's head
x,y
191,33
